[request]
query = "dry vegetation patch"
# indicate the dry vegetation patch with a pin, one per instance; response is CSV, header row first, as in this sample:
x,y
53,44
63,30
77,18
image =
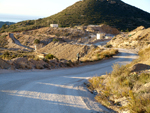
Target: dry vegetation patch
x,y
138,38
3,40
99,54
125,89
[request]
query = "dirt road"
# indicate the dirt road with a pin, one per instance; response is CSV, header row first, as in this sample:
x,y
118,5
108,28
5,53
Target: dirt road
x,y
11,35
54,91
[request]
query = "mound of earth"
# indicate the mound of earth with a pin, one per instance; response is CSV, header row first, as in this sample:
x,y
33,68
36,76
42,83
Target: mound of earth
x,y
140,67
138,38
65,50
4,64
24,63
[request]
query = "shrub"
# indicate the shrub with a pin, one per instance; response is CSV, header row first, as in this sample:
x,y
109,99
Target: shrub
x,y
55,40
138,104
49,56
6,53
3,41
119,70
144,78
114,38
94,82
108,45
36,41
134,86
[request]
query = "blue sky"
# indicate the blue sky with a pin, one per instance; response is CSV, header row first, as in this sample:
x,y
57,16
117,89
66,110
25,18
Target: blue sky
x,y
142,4
43,8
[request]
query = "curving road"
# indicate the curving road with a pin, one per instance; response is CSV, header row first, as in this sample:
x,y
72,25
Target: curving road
x,y
11,35
55,91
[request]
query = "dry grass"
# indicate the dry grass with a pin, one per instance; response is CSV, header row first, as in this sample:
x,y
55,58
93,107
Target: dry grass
x,y
8,55
99,54
122,82
3,40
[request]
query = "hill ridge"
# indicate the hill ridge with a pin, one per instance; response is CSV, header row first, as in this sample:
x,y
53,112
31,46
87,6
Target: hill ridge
x,y
115,13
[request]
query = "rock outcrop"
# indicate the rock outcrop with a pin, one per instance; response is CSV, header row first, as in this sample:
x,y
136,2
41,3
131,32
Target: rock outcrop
x,y
138,38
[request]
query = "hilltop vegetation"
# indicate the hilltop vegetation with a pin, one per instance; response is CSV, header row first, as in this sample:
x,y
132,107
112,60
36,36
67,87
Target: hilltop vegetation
x,y
112,12
6,23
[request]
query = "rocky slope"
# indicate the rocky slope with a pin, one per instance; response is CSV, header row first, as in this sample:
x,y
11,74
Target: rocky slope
x,y
65,50
138,38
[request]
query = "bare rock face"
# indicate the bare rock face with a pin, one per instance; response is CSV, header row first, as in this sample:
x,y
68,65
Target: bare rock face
x,y
140,67
4,64
138,38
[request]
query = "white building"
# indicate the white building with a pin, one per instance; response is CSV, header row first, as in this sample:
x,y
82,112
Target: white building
x,y
100,35
53,25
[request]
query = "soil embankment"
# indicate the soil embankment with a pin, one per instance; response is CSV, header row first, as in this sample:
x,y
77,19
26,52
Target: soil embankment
x,y
65,50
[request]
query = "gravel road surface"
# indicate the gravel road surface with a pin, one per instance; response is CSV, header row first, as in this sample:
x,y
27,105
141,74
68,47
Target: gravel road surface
x,y
55,91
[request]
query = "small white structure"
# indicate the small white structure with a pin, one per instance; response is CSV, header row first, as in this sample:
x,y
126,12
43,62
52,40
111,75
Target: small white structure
x,y
100,35
53,25
35,48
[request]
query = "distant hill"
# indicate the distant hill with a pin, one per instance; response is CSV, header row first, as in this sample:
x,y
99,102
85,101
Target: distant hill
x,y
8,23
111,12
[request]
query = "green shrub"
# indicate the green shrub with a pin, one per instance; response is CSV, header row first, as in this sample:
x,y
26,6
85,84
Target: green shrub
x,y
55,40
49,56
36,41
6,53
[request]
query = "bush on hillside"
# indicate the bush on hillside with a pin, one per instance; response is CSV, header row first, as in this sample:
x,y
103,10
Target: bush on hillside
x,y
55,40
36,41
49,56
122,83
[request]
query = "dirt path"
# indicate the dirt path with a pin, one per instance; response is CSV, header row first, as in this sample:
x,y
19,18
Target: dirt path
x,y
55,91
11,35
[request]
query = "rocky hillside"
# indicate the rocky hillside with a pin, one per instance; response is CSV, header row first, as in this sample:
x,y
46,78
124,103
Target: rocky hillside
x,y
138,38
65,50
111,12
